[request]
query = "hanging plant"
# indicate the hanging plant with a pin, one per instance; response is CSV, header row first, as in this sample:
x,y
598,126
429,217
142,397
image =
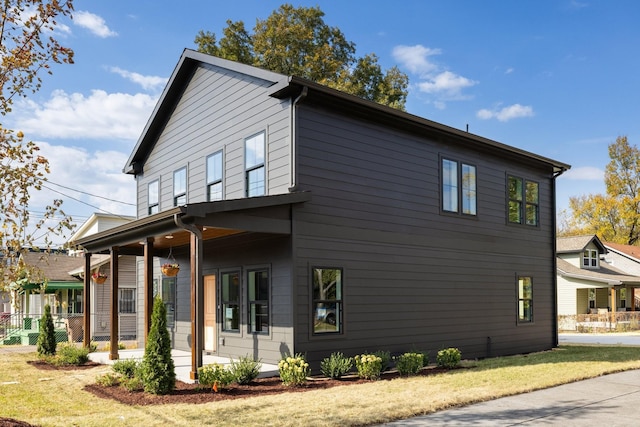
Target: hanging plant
x,y
170,269
99,277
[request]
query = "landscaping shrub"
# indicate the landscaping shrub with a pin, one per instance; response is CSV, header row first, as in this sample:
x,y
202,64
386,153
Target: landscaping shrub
x,y
108,379
245,369
336,365
157,370
46,344
386,359
70,354
409,363
132,384
127,368
448,358
369,366
215,376
294,370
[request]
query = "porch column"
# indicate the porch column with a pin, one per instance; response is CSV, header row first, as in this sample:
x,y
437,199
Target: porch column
x,y
113,351
197,304
613,305
148,286
86,301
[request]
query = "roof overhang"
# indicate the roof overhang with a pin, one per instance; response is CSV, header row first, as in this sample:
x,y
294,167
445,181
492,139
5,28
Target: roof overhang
x,y
266,214
54,286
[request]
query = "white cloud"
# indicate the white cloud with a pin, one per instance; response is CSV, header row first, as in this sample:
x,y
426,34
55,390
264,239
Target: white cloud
x,y
93,23
507,113
100,115
152,83
443,85
584,173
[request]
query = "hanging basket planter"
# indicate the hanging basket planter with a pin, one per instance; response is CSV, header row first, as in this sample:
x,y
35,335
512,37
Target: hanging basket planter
x,y
99,278
170,270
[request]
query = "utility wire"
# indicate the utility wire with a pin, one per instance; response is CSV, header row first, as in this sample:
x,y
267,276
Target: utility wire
x,y
85,203
89,194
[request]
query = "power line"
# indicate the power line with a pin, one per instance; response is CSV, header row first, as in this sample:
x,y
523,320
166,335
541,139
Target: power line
x,y
83,202
89,194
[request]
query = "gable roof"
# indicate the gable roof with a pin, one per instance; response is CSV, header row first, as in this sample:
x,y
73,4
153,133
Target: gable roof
x,y
608,275
578,243
291,87
54,266
630,251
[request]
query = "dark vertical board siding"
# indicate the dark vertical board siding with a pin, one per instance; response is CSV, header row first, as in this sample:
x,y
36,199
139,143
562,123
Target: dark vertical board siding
x,y
413,277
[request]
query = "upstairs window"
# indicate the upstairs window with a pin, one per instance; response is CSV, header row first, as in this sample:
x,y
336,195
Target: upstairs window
x,y
214,177
258,286
590,258
154,197
180,187
254,165
525,300
459,194
523,201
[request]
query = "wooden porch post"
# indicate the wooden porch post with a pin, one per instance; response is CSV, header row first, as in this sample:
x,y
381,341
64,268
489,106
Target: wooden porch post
x,y
148,286
197,305
113,352
86,301
613,304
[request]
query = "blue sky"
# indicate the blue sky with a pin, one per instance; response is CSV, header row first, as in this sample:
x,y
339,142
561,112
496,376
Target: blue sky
x,y
558,78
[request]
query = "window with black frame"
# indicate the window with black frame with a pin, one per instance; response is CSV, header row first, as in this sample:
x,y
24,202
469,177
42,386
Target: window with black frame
x,y
258,290
230,287
327,300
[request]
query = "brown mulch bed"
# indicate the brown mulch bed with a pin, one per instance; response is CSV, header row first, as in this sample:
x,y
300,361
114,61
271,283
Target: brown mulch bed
x,y
41,364
194,393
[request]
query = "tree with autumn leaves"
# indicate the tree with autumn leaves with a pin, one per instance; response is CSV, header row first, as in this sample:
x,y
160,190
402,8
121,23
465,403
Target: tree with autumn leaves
x,y
615,215
297,41
28,49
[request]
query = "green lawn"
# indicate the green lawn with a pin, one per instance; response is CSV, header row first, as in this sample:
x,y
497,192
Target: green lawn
x,y
56,398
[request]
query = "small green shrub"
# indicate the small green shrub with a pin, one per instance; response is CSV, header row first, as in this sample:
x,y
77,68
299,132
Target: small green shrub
x,y
69,354
108,379
46,344
245,369
127,367
409,363
448,357
336,365
386,359
132,384
157,371
294,370
369,366
215,376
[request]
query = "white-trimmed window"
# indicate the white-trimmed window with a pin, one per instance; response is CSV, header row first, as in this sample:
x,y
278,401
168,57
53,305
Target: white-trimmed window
x,y
525,299
154,197
180,187
459,193
590,258
214,176
523,201
127,300
254,165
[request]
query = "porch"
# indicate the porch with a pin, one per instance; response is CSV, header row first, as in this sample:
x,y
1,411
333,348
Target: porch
x,y
601,320
181,360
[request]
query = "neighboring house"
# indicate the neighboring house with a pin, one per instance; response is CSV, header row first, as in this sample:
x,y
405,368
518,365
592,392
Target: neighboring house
x,y
586,282
627,259
129,302
306,220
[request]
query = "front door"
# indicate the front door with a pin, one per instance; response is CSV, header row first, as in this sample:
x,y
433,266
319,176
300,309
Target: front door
x,y
210,313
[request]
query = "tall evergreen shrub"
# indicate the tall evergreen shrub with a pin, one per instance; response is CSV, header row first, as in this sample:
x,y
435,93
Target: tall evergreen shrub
x,y
46,344
157,369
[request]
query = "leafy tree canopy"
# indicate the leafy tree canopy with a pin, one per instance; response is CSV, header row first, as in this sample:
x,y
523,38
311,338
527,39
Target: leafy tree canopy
x,y
27,49
614,216
297,41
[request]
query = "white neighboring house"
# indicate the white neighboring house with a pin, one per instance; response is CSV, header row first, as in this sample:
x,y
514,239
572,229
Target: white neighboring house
x,y
128,298
586,282
627,259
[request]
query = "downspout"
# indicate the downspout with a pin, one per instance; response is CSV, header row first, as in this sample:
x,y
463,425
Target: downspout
x,y
292,143
554,276
197,295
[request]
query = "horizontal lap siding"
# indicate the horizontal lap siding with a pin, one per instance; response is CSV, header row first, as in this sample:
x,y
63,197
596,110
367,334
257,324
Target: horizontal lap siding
x,y
217,111
413,277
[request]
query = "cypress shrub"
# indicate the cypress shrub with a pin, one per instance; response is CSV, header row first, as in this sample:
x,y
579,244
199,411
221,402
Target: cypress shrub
x,y
157,369
46,344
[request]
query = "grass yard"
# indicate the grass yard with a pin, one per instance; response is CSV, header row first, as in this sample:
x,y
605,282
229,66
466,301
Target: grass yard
x,y
56,398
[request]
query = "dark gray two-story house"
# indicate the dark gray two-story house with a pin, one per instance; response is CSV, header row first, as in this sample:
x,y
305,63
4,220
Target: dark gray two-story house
x,y
306,220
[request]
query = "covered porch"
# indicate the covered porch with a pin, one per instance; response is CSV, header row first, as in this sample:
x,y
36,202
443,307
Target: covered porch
x,y
186,227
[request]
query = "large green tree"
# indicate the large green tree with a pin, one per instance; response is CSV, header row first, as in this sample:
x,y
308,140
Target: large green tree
x,y
614,216
27,50
297,41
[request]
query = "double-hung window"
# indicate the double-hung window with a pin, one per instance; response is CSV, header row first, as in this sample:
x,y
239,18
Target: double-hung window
x,y
590,258
214,177
153,197
254,165
230,301
523,201
127,300
525,299
180,187
327,300
459,193
258,287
